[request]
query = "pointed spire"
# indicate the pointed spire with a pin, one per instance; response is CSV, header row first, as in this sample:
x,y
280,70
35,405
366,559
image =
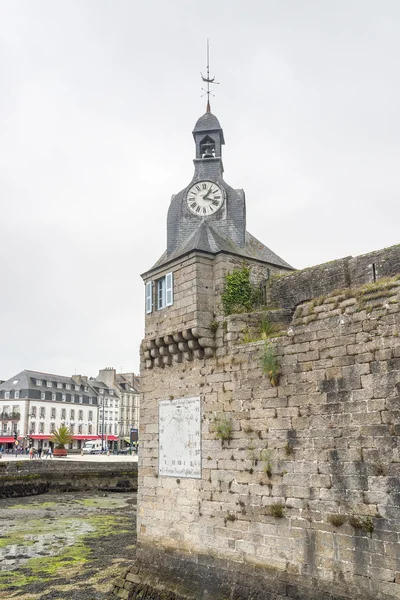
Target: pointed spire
x,y
208,80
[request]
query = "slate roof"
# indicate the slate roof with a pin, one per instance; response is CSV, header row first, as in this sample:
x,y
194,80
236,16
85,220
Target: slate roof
x,y
205,238
126,385
99,385
208,122
27,380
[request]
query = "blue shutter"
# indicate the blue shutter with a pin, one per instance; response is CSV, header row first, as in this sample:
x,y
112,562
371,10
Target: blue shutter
x,y
149,297
169,294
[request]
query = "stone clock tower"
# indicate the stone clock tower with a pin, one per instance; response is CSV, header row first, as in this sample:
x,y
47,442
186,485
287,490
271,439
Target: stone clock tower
x,y
185,354
250,481
206,237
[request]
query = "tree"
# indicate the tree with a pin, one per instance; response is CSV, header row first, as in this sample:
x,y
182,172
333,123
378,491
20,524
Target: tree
x,y
61,437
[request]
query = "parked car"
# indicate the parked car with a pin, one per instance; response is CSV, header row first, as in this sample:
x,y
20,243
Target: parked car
x,y
92,447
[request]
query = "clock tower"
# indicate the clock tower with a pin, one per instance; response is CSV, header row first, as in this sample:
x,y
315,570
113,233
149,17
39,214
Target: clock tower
x,y
206,237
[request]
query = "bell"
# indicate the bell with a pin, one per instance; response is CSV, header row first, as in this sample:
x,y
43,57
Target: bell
x,y
208,151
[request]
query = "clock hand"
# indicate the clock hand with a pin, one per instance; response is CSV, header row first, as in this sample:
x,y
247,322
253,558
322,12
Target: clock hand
x,y
205,197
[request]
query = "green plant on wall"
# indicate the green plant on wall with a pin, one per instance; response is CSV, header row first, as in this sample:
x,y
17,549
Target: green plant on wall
x,y
267,461
239,294
270,364
223,429
267,328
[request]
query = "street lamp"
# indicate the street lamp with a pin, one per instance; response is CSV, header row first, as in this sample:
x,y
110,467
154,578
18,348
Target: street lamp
x,y
102,426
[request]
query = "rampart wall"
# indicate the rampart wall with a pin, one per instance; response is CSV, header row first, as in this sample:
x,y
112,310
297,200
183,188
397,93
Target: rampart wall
x,y
31,477
304,501
291,289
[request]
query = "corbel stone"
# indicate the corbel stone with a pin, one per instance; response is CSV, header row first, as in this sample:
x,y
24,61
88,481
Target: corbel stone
x,y
150,344
178,337
177,357
147,355
173,348
208,352
168,339
183,346
200,332
207,342
187,334
164,351
167,360
155,352
160,342
149,364
158,362
199,353
188,356
193,344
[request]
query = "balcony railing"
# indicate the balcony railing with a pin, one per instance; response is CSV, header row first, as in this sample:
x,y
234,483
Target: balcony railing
x,y
13,416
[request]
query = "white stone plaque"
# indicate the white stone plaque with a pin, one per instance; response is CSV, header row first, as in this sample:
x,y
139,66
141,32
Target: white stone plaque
x,y
179,423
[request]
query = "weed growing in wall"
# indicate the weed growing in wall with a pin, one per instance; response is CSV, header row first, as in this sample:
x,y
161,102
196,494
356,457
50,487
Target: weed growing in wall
x,y
214,326
336,520
239,294
275,510
270,364
363,523
223,429
267,460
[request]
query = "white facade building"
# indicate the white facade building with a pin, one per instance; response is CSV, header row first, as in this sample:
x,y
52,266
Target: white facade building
x,y
33,405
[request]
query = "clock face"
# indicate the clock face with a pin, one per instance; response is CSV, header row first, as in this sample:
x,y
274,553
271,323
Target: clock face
x,y
204,198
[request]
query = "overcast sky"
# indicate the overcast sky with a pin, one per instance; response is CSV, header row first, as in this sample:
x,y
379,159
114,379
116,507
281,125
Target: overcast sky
x,y
98,99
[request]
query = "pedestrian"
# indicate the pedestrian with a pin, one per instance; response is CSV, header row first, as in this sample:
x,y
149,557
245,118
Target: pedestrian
x,y
49,453
31,453
40,453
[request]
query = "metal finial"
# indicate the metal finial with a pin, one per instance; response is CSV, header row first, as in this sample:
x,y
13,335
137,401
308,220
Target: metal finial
x,y
208,80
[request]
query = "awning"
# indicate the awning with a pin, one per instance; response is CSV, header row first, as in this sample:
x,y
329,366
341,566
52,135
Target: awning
x,y
111,438
85,437
39,436
7,440
127,440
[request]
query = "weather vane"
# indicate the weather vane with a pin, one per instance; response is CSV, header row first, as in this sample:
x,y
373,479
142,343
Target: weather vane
x,y
208,80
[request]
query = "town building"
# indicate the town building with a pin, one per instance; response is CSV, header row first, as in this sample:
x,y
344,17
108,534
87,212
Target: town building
x,y
124,389
128,384
34,404
109,407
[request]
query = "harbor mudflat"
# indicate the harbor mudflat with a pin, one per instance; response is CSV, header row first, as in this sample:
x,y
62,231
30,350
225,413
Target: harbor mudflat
x,y
65,546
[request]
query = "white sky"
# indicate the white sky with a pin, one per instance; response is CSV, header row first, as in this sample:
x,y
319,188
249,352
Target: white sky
x,y
98,99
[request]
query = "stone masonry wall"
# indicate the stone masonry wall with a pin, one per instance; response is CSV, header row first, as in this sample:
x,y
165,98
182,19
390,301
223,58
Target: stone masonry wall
x,y
291,289
305,496
31,477
183,331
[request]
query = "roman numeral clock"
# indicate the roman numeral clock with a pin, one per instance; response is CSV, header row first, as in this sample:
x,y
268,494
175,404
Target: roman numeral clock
x,y
205,198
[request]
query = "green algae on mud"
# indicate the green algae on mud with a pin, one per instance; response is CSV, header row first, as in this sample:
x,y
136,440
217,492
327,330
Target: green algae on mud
x,y
104,502
98,549
36,505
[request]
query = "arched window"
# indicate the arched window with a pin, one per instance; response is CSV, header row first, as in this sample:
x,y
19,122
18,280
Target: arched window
x,y
207,147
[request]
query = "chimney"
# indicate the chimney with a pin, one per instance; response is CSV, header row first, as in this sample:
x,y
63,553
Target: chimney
x,y
107,376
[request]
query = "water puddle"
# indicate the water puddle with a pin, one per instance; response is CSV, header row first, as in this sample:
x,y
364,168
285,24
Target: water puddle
x,y
35,545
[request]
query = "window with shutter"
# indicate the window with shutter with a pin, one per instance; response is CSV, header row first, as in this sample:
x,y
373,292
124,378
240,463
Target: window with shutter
x,y
149,299
161,293
169,296
164,291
